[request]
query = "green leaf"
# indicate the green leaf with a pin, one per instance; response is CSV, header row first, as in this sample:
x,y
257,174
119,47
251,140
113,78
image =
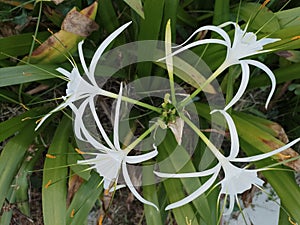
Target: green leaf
x,y
26,73
150,29
136,5
221,12
17,123
173,186
80,170
18,45
289,17
54,189
282,74
150,193
84,200
260,18
12,156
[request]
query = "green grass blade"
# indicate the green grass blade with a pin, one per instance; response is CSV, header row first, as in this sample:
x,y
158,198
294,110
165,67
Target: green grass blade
x,y
54,196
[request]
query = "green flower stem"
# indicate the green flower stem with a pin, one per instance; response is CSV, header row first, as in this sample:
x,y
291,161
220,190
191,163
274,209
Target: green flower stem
x,y
140,138
208,143
169,60
208,81
133,101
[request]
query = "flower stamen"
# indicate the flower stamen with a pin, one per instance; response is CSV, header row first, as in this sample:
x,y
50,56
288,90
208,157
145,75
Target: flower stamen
x,y
48,184
295,38
79,151
264,4
49,156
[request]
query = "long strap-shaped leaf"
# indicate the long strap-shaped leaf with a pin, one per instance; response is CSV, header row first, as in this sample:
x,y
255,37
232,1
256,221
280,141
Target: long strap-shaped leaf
x,y
54,190
12,156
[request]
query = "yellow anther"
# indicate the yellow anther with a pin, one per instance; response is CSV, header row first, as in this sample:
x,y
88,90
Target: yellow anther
x,y
48,184
79,151
292,222
49,156
264,4
188,221
72,213
295,38
26,118
27,74
36,122
24,106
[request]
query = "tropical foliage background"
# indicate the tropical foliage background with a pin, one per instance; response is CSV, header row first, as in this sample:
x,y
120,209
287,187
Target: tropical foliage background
x,y
30,87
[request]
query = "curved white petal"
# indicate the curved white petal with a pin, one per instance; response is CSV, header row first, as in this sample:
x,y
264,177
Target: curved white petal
x,y
79,128
104,45
265,41
141,158
64,72
81,57
117,120
269,73
212,28
204,173
194,44
235,146
78,123
195,194
44,118
266,155
132,189
231,205
243,85
99,125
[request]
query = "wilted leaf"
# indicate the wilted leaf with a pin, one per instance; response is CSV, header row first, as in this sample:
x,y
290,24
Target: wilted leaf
x,y
136,5
291,55
75,27
177,129
77,23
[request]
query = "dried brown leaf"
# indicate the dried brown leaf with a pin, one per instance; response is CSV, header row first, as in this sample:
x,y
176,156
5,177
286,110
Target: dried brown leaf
x,y
77,23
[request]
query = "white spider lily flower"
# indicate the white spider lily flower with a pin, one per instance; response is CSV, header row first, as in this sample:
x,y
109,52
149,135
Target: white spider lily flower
x,y
77,87
236,180
111,159
244,44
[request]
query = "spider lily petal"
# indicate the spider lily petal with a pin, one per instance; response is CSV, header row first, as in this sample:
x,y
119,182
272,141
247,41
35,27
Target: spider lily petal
x,y
243,85
266,155
132,189
77,87
269,73
90,72
244,44
143,157
235,145
204,187
111,160
236,180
